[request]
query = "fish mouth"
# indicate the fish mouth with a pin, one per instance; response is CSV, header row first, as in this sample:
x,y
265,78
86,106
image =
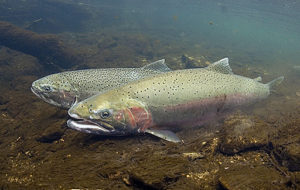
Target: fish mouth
x,y
39,94
35,91
89,126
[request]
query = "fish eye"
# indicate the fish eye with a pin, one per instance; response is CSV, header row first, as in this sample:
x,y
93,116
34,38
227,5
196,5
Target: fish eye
x,y
104,114
47,88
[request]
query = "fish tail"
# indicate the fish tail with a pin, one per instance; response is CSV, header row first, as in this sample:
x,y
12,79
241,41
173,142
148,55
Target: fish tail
x,y
272,84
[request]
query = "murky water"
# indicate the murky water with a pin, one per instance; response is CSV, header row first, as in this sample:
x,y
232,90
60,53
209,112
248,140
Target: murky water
x,y
256,147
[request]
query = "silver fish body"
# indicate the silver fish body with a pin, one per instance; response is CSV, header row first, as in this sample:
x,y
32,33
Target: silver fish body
x,y
62,89
165,102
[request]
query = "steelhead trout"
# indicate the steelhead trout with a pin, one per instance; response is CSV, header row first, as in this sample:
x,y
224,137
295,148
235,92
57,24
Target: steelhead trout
x,y
160,104
61,89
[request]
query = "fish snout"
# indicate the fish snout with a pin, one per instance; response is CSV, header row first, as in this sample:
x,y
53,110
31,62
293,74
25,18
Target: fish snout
x,y
72,113
36,85
35,90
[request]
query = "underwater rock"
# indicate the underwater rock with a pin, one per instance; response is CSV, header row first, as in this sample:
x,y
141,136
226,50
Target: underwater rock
x,y
287,145
47,48
241,132
188,61
297,178
3,100
157,171
52,133
107,43
291,156
193,155
191,62
252,177
14,64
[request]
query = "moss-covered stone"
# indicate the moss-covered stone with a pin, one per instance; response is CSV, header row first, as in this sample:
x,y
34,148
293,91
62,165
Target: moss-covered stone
x,y
287,145
252,177
240,133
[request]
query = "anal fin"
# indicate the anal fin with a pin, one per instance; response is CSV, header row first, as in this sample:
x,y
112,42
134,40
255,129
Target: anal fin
x,y
164,134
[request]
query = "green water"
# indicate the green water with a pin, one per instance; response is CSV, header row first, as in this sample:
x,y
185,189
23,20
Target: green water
x,y
266,30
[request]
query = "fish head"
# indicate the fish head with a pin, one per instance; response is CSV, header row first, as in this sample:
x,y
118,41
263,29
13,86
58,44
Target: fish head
x,y
55,89
109,114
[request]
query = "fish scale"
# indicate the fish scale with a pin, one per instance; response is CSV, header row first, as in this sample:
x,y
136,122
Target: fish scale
x,y
193,86
169,101
81,84
106,78
189,85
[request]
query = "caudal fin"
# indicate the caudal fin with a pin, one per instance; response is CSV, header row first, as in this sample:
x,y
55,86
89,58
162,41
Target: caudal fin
x,y
272,84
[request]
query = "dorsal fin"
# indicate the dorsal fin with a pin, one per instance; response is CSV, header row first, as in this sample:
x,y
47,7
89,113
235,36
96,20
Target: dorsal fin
x,y
258,79
157,66
221,66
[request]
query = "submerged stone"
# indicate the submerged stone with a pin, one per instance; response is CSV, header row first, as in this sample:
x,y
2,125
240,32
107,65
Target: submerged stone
x,y
254,177
52,133
158,170
193,155
287,145
191,62
241,132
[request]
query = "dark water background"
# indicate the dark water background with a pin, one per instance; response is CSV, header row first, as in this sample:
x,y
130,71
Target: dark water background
x,y
266,30
256,148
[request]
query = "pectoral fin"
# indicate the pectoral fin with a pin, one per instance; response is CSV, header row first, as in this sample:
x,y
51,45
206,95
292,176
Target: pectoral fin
x,y
164,134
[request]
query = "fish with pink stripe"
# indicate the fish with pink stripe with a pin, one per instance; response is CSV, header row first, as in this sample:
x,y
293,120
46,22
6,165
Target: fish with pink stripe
x,y
166,102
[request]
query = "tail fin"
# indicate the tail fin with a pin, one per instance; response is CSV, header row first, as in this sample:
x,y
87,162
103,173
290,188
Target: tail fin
x,y
275,82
